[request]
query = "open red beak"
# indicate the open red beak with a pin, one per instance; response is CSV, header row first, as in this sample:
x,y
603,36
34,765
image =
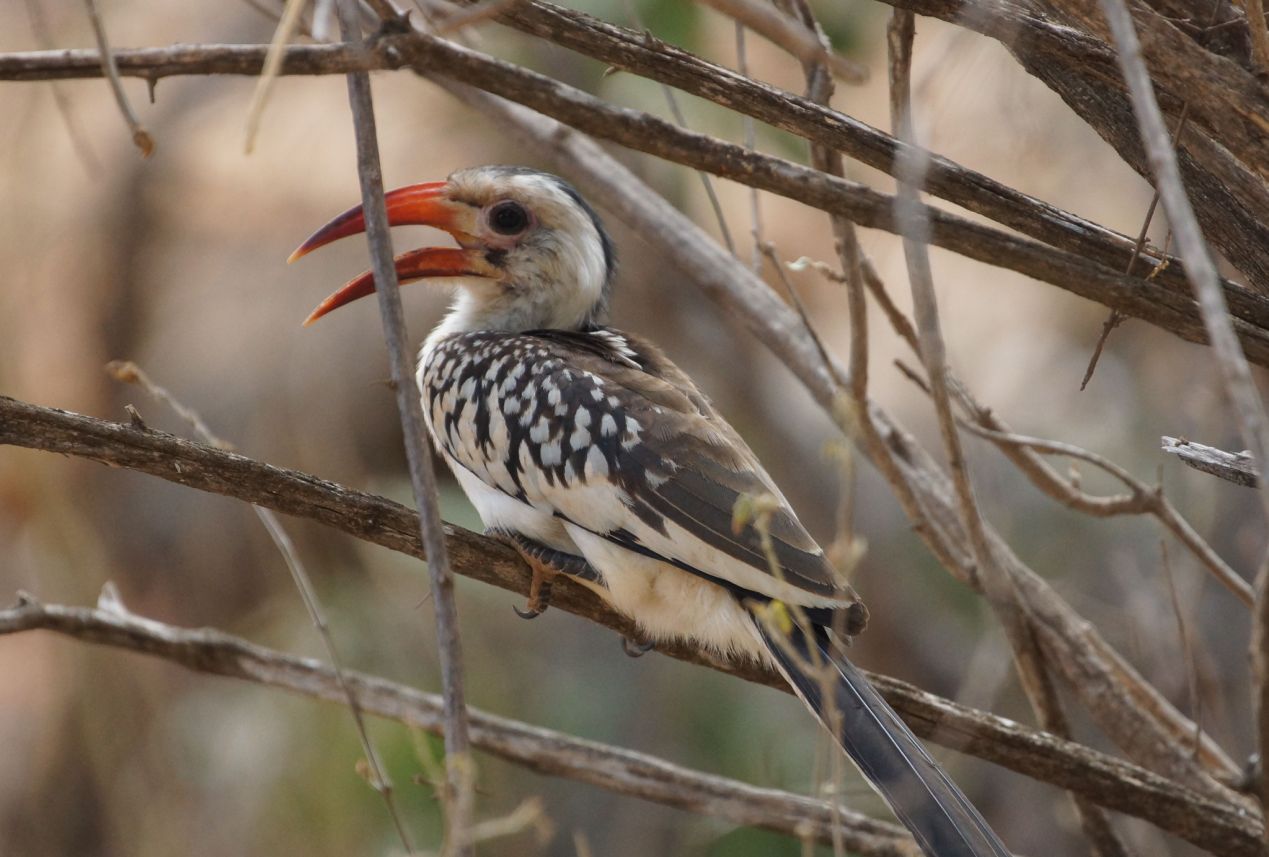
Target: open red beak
x,y
420,204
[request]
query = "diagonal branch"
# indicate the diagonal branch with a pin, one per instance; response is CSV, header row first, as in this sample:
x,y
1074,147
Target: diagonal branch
x,y
1161,303
1207,821
1131,711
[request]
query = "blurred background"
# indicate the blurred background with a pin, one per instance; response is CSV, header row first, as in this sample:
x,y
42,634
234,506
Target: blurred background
x,y
177,262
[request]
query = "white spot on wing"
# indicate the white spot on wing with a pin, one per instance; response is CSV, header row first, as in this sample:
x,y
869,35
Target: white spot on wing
x,y
596,464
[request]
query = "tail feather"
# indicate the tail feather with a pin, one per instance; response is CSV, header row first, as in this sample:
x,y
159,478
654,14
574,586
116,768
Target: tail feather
x,y
940,817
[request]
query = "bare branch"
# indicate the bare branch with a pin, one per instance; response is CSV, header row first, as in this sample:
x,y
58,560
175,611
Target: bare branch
x,y
770,23
460,776
1236,467
140,136
1142,499
1259,33
1161,302
543,750
282,34
1209,821
1052,45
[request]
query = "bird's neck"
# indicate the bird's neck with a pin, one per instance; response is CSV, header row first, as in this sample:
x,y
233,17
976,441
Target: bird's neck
x,y
507,311
515,310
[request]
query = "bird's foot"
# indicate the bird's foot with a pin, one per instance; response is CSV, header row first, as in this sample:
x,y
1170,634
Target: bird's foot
x,y
546,564
636,648
539,589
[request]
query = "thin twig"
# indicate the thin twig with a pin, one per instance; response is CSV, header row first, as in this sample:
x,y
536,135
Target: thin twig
x,y
458,761
755,202
677,112
769,22
83,150
140,136
819,90
474,14
130,373
1187,647
1116,318
282,35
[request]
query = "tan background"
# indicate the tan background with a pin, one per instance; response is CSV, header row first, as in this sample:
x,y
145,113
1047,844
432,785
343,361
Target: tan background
x,y
178,262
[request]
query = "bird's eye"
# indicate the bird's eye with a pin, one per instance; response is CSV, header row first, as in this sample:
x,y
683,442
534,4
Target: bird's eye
x,y
508,218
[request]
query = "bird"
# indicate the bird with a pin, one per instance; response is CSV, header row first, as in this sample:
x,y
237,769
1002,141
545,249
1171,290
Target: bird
x,y
588,451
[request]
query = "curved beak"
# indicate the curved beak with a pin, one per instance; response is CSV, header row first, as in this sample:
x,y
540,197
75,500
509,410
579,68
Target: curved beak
x,y
422,204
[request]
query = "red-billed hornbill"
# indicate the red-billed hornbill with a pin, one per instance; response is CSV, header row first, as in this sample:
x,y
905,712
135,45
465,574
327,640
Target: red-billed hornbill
x,y
595,456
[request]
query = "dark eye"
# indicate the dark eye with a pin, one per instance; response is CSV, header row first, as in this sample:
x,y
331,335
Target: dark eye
x,y
508,218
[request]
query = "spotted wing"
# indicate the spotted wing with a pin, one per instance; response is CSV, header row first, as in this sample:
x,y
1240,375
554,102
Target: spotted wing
x,y
601,430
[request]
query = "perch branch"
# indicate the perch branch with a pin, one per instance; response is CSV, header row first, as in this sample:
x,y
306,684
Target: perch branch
x,y
1218,825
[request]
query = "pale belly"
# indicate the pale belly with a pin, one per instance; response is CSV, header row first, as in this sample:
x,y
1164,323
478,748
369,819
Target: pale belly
x,y
665,601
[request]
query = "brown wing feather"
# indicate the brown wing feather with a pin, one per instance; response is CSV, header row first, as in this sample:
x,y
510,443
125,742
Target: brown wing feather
x,y
691,466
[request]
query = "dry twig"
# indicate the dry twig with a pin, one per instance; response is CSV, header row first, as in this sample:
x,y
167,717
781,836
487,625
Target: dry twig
x,y
282,35
140,136
766,20
1236,467
458,762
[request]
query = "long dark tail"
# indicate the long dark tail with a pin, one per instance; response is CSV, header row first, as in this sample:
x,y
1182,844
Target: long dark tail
x,y
940,817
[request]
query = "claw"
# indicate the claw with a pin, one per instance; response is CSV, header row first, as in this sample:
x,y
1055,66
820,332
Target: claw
x,y
635,648
539,593
528,614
